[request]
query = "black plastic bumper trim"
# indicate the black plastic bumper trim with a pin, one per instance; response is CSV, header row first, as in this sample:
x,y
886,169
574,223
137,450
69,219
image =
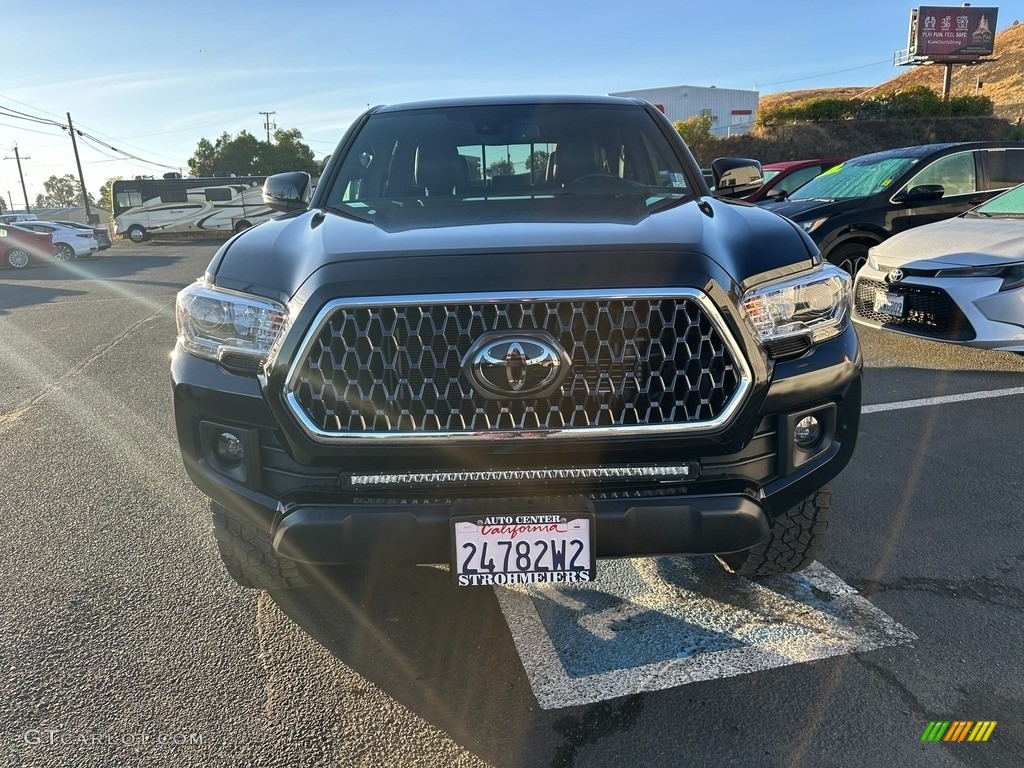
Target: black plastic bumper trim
x,y
338,534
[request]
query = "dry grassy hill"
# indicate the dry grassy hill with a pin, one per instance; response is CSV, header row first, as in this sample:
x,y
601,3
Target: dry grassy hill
x,y
1002,80
795,97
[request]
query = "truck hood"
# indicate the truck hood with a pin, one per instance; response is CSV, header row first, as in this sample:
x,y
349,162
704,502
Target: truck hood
x,y
277,257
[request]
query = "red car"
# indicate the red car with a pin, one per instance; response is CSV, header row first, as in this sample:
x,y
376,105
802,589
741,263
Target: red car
x,y
20,247
781,179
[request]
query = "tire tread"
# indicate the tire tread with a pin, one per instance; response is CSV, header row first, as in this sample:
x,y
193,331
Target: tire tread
x,y
794,541
249,556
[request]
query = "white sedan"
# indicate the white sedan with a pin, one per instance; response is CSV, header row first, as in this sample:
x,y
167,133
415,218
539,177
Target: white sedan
x,y
960,280
70,242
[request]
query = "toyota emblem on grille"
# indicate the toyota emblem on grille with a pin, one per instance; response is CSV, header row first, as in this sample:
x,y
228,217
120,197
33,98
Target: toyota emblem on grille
x,y
894,276
519,364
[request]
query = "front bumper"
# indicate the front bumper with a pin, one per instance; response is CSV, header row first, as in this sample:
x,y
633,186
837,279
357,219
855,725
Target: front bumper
x,y
968,311
750,471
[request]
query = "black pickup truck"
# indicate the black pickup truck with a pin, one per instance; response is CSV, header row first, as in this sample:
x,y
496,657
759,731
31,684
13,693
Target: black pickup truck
x,y
516,335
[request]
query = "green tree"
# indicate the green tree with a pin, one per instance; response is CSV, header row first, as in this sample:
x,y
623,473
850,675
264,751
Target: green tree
x,y
694,130
537,164
61,192
105,200
245,155
3,205
287,153
501,168
202,161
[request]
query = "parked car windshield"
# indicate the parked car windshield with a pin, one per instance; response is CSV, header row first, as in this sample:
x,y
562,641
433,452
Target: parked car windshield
x,y
1009,205
855,178
470,163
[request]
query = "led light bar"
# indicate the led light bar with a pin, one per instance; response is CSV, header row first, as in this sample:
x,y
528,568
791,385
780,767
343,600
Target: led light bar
x,y
678,472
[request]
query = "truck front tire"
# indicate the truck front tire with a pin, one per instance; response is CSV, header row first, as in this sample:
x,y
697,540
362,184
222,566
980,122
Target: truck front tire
x,y
248,555
794,541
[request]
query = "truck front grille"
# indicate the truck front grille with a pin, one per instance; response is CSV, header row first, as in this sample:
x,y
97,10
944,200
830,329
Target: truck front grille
x,y
392,368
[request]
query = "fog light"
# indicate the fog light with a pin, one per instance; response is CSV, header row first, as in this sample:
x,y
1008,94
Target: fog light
x,y
230,448
807,432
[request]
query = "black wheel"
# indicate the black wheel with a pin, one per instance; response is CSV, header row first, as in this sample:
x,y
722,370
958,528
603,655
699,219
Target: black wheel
x,y
137,234
242,226
64,252
248,555
18,258
793,543
850,257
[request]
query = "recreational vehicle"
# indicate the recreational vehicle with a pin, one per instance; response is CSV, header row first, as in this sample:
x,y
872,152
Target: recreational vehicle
x,y
182,207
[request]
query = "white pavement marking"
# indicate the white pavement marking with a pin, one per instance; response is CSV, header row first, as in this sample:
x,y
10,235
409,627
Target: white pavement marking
x,y
653,623
903,404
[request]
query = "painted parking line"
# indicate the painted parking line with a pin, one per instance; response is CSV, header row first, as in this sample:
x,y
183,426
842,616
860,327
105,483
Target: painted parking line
x,y
649,624
962,398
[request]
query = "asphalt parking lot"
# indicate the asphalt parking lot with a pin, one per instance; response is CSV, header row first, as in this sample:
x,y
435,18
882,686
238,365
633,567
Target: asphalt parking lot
x,y
123,641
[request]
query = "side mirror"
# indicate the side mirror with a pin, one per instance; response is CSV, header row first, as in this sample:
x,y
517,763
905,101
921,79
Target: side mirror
x,y
922,194
736,176
776,195
287,191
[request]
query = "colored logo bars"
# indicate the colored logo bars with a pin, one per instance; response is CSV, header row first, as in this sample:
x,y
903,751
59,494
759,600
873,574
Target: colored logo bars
x,y
958,730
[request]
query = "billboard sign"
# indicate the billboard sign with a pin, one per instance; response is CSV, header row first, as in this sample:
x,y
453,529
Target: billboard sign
x,y
952,34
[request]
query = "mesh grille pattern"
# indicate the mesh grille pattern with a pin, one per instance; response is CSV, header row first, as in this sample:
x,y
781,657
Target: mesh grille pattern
x,y
397,369
927,311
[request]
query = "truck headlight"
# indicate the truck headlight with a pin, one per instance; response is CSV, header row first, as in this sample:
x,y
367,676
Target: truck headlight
x,y
214,323
816,304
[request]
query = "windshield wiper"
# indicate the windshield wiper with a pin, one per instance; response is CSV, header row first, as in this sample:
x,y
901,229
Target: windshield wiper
x,y
347,213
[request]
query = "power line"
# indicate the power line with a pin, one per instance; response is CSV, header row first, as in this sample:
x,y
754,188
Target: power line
x,y
825,74
38,109
25,116
125,143
17,114
31,130
126,154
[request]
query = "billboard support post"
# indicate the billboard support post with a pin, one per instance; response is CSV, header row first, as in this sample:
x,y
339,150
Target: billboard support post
x,y
947,81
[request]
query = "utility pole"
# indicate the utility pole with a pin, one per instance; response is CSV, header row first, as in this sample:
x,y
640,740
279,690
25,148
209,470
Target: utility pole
x,y
266,123
81,178
20,176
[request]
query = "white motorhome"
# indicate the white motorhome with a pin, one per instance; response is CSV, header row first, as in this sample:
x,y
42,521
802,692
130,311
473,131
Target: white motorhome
x,y
14,218
182,207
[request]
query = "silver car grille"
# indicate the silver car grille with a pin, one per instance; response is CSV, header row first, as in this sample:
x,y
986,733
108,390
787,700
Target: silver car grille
x,y
642,362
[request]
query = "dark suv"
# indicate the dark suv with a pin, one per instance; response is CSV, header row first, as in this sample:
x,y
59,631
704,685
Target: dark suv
x,y
854,206
514,335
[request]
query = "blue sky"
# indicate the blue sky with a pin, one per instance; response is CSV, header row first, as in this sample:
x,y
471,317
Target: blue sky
x,y
152,79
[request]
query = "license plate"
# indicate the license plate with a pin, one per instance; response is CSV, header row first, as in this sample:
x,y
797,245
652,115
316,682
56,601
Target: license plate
x,y
889,303
523,548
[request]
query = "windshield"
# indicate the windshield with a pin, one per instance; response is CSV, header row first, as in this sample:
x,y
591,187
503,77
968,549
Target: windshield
x,y
464,163
1009,205
856,178
769,175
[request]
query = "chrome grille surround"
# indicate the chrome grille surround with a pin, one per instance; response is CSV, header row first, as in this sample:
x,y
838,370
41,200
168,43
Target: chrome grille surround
x,y
602,346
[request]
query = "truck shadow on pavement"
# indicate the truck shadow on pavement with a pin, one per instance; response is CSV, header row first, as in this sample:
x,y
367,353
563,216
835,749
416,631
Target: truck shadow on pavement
x,y
14,296
443,653
463,659
99,268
